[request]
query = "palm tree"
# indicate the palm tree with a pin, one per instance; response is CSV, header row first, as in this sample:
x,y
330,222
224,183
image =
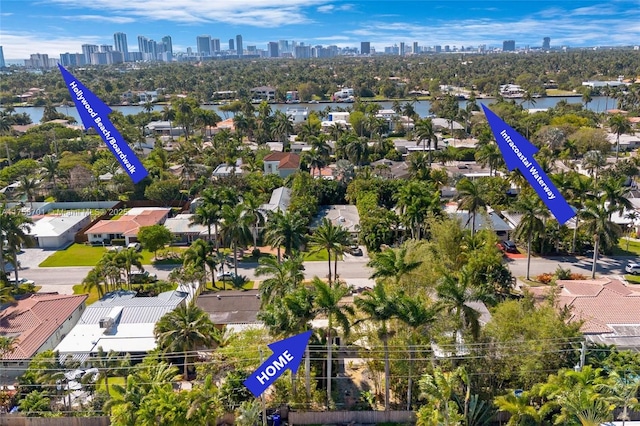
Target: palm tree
x,y
200,256
28,187
50,165
518,407
425,133
282,128
286,230
615,194
489,155
252,210
184,330
109,364
530,225
438,389
596,222
205,406
471,199
357,150
284,277
380,307
619,124
14,228
392,263
235,229
454,292
334,239
129,258
593,161
327,302
580,192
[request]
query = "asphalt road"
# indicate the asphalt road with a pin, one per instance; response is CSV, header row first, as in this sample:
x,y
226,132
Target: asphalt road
x,y
351,269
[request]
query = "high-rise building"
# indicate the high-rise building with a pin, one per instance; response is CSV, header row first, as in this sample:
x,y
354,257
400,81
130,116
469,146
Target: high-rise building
x,y
402,49
415,47
232,44
283,46
303,52
2,63
239,48
120,44
106,48
437,48
87,50
546,43
365,48
203,44
168,45
272,50
72,59
37,60
215,45
447,48
509,46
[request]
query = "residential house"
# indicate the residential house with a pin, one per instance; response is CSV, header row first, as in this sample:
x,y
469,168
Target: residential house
x,y
297,115
127,226
236,310
38,322
484,220
280,200
391,169
121,322
225,170
608,309
163,128
57,230
184,231
345,215
627,142
444,124
263,93
282,164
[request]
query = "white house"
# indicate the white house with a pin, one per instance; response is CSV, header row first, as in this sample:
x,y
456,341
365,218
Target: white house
x,y
282,164
121,322
345,215
297,115
54,231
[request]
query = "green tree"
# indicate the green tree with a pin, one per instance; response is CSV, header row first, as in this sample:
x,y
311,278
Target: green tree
x,y
185,330
334,239
284,277
531,224
129,258
235,229
109,364
286,230
471,198
163,191
154,237
425,133
14,228
200,256
518,407
595,221
438,390
392,263
619,124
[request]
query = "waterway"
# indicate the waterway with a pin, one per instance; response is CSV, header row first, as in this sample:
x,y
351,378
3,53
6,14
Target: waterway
x,y
598,104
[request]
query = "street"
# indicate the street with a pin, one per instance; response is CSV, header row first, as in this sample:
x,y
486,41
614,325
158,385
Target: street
x,y
352,269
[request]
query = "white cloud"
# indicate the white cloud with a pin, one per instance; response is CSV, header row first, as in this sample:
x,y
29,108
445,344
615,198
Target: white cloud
x,y
101,18
17,45
326,8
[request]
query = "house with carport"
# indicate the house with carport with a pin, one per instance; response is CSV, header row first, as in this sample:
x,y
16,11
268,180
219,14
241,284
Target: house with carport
x,y
53,231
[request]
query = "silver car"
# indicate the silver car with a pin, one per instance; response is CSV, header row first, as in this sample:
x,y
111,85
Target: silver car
x,y
633,268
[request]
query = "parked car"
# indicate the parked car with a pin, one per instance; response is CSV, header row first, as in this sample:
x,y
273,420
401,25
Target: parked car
x,y
509,246
21,281
225,276
633,268
135,246
142,277
355,251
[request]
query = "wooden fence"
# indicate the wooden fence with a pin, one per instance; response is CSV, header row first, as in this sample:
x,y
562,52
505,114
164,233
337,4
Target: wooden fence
x,y
347,417
20,420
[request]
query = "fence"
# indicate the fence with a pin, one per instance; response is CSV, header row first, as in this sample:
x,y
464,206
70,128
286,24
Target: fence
x,y
346,417
19,420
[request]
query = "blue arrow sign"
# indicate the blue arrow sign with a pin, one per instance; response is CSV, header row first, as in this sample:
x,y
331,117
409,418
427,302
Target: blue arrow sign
x,y
518,154
287,354
95,113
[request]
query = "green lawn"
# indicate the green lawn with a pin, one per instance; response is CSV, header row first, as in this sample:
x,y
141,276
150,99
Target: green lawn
x,y
93,294
621,249
112,381
84,255
75,255
632,279
558,92
321,255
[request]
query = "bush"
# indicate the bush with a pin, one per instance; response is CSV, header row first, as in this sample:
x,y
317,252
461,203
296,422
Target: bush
x,y
255,253
545,278
118,242
563,274
576,276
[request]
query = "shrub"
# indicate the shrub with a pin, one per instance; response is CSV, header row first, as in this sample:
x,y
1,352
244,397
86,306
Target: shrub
x,y
545,278
118,242
576,276
563,274
255,252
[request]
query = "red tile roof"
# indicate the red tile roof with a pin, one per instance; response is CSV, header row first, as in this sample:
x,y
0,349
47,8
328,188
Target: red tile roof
x,y
34,319
128,225
287,160
599,303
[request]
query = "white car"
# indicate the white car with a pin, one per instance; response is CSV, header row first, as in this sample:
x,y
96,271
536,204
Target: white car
x,y
21,281
225,276
633,268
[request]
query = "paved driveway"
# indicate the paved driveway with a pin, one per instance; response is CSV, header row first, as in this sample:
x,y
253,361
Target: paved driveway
x,y
31,257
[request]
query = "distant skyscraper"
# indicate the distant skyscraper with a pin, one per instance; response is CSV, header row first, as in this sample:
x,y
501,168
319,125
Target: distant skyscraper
x,y
546,43
365,48
447,48
415,47
272,50
203,44
87,50
239,45
215,45
303,52
106,48
168,45
232,44
437,48
120,44
509,46
402,49
2,63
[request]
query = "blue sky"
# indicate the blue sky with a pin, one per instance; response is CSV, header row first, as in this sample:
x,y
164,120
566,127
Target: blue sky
x,y
57,26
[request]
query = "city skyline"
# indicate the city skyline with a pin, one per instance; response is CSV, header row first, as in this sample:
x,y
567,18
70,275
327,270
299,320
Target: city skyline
x,y
60,26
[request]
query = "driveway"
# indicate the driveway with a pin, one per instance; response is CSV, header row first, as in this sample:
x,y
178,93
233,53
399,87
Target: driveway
x,y
30,258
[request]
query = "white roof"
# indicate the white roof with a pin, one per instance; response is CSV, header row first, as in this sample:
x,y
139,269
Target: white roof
x,y
181,224
54,226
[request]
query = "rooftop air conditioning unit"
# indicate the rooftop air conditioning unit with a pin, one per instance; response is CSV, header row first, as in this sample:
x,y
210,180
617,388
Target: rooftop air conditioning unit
x,y
106,322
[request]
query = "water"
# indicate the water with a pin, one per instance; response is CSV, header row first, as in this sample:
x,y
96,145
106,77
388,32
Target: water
x,y
598,104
